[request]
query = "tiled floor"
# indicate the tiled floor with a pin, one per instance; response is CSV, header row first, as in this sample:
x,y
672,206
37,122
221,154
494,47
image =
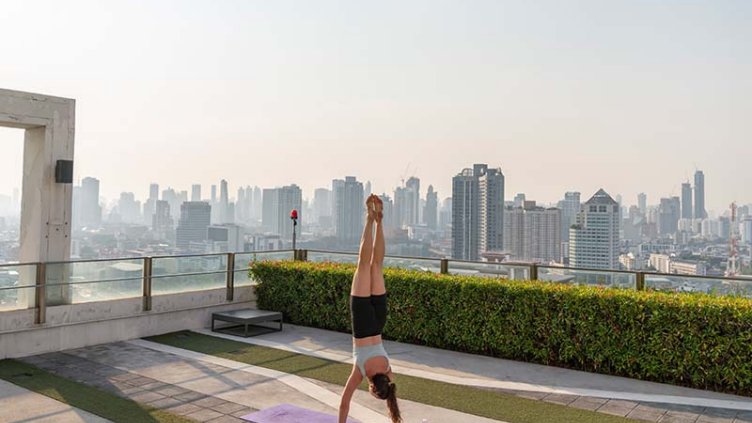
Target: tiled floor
x,y
142,389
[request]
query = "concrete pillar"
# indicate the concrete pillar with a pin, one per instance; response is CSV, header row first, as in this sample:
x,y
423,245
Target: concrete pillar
x,y
45,205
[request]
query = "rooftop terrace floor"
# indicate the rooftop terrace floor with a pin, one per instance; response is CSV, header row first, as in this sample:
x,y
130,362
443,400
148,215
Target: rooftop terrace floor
x,y
206,387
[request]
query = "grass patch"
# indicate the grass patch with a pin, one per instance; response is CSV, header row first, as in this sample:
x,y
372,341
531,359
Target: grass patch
x,y
95,401
480,402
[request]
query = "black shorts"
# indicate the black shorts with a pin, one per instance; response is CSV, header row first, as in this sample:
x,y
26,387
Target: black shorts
x,y
368,315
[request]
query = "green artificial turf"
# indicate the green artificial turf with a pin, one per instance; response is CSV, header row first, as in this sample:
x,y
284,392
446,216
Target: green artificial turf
x,y
480,402
95,401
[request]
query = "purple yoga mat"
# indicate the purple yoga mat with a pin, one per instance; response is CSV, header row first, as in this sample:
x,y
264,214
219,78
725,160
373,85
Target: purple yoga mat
x,y
288,413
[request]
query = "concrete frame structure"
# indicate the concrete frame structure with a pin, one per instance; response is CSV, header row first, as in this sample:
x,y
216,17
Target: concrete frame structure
x,y
49,126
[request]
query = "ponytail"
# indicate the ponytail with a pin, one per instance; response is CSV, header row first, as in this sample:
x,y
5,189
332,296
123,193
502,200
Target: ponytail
x,y
391,404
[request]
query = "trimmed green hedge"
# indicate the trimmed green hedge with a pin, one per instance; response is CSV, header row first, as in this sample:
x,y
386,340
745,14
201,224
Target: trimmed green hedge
x,y
694,340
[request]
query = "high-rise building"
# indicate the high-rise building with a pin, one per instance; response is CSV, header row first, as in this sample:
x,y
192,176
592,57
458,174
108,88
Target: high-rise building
x,y
668,216
91,211
151,203
388,210
477,212
642,203
348,209
367,189
129,208
270,212
195,218
278,203
196,192
431,210
700,212
533,233
290,198
322,206
686,201
519,200
594,239
569,207
175,201
224,204
162,222
213,194
445,214
413,187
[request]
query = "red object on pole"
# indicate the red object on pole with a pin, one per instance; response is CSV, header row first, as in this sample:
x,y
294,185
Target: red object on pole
x,y
294,214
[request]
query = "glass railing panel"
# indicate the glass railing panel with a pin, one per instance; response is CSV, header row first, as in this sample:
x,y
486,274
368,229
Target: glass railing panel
x,y
244,260
413,263
703,284
17,283
172,275
320,256
489,269
89,281
607,278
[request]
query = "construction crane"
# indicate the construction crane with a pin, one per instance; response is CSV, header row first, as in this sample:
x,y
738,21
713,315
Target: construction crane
x,y
732,267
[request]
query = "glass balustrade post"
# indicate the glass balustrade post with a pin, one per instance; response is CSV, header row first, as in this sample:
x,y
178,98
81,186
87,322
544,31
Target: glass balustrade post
x,y
40,294
640,281
444,266
147,283
534,272
230,276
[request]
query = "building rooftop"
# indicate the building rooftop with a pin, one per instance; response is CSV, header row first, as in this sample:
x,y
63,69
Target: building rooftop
x,y
601,197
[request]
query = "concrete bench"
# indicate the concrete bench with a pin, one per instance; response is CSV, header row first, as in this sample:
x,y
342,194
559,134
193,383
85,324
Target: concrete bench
x,y
245,318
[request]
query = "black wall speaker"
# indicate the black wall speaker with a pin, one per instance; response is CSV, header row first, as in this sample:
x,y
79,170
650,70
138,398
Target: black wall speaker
x,y
64,172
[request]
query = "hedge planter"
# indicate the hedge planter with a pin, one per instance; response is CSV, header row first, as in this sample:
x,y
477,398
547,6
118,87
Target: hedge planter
x,y
693,340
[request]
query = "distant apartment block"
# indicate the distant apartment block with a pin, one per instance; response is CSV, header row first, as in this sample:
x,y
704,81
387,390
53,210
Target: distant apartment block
x,y
277,205
594,239
663,263
699,212
532,233
477,212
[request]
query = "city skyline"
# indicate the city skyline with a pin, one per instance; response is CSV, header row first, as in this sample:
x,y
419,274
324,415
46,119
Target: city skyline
x,y
607,90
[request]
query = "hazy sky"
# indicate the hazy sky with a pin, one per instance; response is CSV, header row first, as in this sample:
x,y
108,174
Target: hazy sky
x,y
562,95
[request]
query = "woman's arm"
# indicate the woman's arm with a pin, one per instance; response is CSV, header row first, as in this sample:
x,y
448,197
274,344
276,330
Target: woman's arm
x,y
352,384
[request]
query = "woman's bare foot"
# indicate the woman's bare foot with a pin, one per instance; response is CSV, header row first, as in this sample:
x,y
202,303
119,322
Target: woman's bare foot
x,y
378,208
371,207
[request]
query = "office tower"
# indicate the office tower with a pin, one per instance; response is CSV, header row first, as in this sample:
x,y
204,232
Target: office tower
x,y
746,231
196,192
348,209
289,198
129,208
388,211
213,194
519,200
151,203
223,206
173,198
431,210
700,212
642,203
239,203
477,212
445,215
533,233
270,211
686,201
367,189
258,201
569,207
91,211
195,218
413,187
322,206
594,239
668,216
724,227
162,222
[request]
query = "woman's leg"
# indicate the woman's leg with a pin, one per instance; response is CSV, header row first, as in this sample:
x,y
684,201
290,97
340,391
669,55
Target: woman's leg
x,y
377,261
361,284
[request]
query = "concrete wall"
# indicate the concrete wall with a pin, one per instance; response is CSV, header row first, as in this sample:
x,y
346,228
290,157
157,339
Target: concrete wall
x,y
80,325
